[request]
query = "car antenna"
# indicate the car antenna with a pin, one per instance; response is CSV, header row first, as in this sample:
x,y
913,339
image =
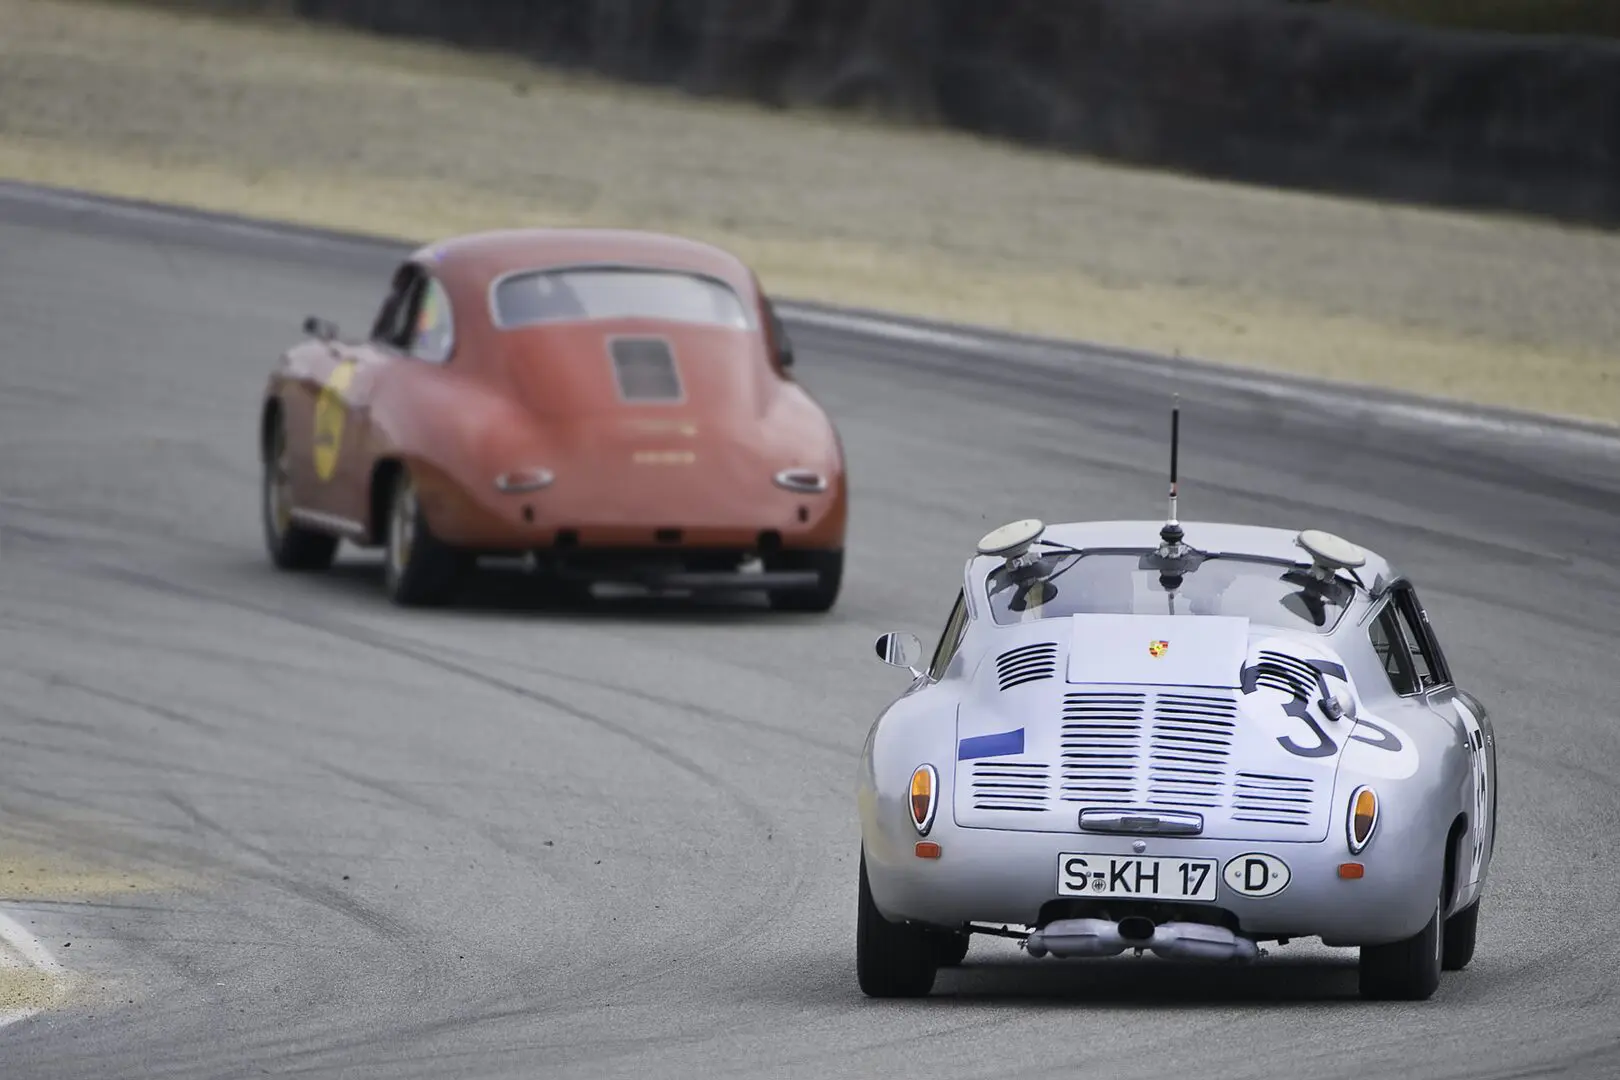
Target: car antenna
x,y
1171,535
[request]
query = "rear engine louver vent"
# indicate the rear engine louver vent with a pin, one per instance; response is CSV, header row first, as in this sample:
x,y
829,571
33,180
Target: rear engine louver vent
x,y
1272,799
1029,663
1102,747
1191,743
1005,785
1122,749
645,369
1279,671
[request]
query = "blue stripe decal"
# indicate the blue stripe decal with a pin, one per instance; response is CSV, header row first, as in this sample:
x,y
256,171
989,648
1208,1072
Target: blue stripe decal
x,y
1000,744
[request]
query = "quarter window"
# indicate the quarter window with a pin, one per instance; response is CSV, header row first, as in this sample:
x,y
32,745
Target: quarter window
x,y
433,332
1390,645
393,318
1431,669
1404,642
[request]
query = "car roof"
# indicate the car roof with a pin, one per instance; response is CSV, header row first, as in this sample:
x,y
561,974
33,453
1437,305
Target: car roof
x,y
484,256
1229,539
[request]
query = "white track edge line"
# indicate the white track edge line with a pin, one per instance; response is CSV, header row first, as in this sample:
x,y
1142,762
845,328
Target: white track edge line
x,y
1441,414
1201,372
27,947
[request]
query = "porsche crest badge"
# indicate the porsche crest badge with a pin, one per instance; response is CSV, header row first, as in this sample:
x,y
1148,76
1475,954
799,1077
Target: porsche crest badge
x,y
1156,648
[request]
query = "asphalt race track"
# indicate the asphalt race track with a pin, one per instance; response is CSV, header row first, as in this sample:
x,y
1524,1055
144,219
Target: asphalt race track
x,y
507,840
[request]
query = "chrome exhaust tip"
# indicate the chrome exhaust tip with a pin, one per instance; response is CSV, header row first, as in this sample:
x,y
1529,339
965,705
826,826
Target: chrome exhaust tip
x,y
1071,938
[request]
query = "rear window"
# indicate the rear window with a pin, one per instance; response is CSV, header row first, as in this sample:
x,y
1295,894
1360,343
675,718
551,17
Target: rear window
x,y
1116,584
579,294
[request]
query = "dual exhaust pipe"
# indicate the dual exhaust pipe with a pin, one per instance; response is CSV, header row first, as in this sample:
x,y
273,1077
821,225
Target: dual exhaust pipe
x,y
1067,938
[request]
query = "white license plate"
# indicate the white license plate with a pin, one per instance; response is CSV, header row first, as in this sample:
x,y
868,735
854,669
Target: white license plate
x,y
1137,877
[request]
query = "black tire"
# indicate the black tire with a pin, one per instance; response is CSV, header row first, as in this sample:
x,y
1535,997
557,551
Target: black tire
x,y
950,948
892,960
291,546
419,570
1462,930
829,568
1406,970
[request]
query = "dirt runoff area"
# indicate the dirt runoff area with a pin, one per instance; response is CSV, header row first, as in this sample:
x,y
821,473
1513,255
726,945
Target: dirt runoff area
x,y
329,128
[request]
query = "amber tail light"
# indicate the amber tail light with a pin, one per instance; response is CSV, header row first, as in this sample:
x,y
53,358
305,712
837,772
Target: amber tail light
x,y
924,798
1363,818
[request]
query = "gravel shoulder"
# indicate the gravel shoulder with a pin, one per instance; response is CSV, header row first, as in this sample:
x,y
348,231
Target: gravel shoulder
x,y
25,990
33,877
322,127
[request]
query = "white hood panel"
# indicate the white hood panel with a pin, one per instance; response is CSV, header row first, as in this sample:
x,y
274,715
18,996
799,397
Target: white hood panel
x,y
1157,649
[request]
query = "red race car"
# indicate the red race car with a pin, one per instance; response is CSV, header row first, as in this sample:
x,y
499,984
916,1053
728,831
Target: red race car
x,y
605,405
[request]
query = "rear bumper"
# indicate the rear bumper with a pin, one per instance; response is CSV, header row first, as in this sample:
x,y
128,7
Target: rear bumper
x,y
1012,877
558,520
649,573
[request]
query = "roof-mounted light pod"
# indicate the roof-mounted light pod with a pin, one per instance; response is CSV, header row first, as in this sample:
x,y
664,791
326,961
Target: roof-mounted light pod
x,y
1363,818
1012,541
1330,554
924,798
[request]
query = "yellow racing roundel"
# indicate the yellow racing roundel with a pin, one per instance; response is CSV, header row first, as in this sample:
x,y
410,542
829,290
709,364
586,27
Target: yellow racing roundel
x,y
329,413
1156,648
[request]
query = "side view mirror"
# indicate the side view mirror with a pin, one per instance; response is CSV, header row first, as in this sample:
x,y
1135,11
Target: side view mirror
x,y
323,329
900,649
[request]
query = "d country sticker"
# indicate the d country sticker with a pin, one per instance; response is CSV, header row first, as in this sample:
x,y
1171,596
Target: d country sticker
x,y
329,413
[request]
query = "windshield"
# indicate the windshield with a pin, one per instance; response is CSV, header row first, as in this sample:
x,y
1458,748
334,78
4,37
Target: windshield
x,y
1115,584
610,293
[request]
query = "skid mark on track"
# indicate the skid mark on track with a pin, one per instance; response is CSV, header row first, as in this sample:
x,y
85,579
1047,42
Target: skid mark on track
x,y
522,994
525,1001
648,697
275,873
402,647
162,712
406,647
533,854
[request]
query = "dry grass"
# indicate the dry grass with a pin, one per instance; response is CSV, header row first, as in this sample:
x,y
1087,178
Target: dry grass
x,y
342,130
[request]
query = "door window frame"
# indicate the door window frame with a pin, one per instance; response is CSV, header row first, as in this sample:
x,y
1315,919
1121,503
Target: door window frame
x,y
950,638
1415,636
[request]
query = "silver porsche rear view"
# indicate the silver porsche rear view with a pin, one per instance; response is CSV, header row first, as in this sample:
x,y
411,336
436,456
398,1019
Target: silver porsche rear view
x,y
1184,741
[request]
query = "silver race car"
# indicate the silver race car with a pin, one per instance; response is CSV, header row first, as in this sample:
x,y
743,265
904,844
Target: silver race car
x,y
1189,741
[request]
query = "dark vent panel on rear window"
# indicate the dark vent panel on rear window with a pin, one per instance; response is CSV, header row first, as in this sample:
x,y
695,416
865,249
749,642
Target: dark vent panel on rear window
x,y
645,368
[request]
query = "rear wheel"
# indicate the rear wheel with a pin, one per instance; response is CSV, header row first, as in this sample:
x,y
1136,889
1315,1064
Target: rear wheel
x,y
892,960
950,948
1462,930
1407,970
829,570
291,546
419,570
